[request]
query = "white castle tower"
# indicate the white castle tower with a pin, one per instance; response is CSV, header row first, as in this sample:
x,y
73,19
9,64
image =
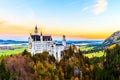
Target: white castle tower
x,y
64,41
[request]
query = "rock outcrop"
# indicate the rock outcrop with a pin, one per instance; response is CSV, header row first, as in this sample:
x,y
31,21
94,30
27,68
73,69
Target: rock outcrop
x,y
113,39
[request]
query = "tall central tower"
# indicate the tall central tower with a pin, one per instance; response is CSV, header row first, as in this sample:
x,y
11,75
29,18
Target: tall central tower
x,y
36,30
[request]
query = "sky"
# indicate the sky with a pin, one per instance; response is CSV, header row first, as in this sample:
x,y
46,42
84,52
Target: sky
x,y
77,19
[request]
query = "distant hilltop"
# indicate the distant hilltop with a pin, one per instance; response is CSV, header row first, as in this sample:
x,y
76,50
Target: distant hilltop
x,y
113,39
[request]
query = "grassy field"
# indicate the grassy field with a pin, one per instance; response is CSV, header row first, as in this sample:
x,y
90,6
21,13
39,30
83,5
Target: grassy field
x,y
17,50
97,54
85,48
90,55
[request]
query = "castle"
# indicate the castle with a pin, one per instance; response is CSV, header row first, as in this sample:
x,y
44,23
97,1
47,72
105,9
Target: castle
x,y
40,43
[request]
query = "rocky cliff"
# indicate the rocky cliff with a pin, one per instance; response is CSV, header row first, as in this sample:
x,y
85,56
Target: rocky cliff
x,y
114,38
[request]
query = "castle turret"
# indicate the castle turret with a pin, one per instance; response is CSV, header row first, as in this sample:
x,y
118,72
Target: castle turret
x,y
64,41
41,37
36,30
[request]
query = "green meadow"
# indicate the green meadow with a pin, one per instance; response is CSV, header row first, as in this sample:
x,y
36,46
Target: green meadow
x,y
96,54
91,55
86,48
17,50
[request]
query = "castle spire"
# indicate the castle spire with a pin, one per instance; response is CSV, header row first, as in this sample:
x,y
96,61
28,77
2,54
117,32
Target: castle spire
x,y
41,33
36,30
41,37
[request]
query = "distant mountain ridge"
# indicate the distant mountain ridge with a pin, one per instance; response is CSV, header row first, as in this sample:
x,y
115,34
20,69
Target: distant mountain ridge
x,y
69,42
11,41
114,38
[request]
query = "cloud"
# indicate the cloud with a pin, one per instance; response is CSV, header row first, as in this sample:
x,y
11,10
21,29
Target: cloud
x,y
100,6
97,8
85,9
